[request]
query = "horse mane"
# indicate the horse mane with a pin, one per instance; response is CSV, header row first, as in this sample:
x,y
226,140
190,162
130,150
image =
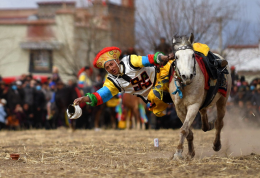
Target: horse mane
x,y
180,40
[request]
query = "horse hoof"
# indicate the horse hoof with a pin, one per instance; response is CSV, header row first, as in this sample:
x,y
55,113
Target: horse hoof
x,y
204,128
216,148
191,155
177,156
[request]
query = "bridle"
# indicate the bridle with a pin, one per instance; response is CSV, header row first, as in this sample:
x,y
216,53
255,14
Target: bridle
x,y
178,74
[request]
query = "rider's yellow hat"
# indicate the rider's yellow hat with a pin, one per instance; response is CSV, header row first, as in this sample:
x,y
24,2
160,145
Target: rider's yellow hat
x,y
106,54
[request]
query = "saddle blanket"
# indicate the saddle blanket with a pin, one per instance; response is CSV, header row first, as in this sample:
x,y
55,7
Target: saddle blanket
x,y
210,82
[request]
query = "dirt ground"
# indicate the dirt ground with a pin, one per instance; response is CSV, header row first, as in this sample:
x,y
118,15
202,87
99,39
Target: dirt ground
x,y
122,153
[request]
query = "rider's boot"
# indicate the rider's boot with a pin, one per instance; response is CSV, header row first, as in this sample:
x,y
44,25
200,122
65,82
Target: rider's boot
x,y
221,63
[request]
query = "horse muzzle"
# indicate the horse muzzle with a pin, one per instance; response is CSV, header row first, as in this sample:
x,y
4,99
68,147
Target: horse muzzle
x,y
187,80
74,111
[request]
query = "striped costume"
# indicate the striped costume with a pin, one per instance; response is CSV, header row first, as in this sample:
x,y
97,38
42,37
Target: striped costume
x,y
138,76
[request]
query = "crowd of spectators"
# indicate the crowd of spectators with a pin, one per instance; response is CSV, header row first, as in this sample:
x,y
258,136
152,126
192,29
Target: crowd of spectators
x,y
244,100
30,103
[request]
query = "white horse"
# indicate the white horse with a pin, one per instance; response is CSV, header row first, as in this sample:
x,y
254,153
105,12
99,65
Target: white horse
x,y
194,95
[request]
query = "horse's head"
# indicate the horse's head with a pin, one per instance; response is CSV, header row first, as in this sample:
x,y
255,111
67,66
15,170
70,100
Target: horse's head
x,y
184,57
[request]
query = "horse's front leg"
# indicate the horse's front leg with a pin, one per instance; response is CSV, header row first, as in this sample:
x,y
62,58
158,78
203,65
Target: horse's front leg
x,y
192,111
189,138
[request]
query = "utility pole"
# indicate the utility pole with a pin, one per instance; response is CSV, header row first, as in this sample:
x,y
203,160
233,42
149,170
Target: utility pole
x,y
220,35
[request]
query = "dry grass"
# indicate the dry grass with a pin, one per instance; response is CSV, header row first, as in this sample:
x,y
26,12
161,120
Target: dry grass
x,y
110,153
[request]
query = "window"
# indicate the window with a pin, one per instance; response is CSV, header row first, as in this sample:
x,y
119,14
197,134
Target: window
x,y
40,61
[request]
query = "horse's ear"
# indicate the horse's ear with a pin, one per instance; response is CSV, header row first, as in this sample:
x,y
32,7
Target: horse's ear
x,y
191,39
173,40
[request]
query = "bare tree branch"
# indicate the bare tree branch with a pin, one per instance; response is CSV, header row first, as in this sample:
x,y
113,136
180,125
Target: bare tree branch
x,y
170,17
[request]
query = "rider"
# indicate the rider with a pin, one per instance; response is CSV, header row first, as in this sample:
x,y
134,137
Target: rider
x,y
134,74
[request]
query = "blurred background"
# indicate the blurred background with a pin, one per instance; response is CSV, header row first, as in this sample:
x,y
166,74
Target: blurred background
x,y
47,48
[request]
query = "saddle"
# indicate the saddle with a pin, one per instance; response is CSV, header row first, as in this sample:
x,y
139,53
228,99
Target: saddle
x,y
211,65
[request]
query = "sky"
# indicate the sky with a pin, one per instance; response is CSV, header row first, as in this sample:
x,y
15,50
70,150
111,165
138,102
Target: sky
x,y
249,9
249,15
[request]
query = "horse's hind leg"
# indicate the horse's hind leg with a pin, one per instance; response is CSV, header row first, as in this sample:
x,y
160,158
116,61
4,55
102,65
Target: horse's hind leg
x,y
206,125
137,118
221,110
204,120
189,138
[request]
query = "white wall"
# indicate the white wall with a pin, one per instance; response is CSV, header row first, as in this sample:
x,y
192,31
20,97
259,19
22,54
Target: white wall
x,y
245,60
14,61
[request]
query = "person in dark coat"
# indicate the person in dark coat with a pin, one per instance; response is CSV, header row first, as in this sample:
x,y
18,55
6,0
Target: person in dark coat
x,y
29,115
39,105
61,102
20,90
29,92
163,47
13,97
3,90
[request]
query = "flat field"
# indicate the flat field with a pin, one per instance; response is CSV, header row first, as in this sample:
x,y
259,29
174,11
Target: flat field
x,y
127,153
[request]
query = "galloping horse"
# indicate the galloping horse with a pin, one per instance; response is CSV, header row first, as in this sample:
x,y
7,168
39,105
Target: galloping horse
x,y
194,95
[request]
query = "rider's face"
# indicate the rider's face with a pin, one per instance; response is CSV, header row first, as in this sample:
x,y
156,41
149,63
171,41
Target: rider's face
x,y
112,67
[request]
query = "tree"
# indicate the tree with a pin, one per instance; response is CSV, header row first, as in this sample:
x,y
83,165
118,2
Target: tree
x,y
167,18
82,39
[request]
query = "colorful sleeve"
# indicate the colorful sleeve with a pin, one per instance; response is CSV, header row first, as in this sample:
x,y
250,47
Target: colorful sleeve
x,y
144,61
104,94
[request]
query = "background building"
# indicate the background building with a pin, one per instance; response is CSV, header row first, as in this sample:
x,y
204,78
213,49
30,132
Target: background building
x,y
246,59
63,35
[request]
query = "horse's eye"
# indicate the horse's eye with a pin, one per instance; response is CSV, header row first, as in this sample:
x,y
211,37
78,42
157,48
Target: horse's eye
x,y
176,57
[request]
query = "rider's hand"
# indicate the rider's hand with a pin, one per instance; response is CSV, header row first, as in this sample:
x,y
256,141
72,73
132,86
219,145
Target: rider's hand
x,y
163,60
83,99
171,56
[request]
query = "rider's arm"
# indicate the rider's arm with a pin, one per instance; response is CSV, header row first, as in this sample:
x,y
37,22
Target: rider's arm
x,y
101,96
147,61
